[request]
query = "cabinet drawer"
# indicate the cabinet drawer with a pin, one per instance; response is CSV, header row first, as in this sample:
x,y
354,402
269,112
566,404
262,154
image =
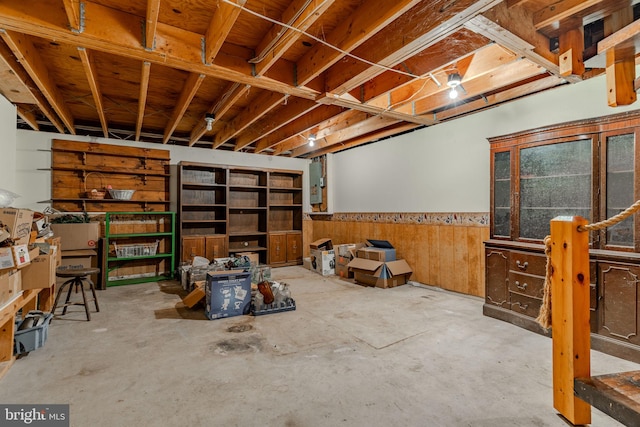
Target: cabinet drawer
x,y
526,284
525,305
528,263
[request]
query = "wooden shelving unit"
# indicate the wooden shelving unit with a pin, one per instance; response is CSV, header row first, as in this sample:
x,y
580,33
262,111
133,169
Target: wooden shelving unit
x,y
224,210
78,167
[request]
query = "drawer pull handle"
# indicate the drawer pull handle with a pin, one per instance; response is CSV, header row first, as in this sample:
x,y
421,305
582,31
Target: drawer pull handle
x,y
522,266
521,287
523,306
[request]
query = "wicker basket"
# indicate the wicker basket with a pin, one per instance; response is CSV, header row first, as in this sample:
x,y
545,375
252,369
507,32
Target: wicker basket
x,y
98,194
121,194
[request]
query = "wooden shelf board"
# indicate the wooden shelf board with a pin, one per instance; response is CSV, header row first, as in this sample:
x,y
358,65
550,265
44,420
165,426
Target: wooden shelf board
x,y
202,184
107,170
245,208
248,249
104,201
279,206
158,256
116,236
248,233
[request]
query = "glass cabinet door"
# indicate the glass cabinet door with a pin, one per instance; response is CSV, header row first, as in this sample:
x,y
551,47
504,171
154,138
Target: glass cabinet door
x,y
619,153
554,179
502,194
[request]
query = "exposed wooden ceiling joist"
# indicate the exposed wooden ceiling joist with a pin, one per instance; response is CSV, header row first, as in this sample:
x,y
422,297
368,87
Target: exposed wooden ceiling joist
x,y
151,24
92,78
28,117
74,10
191,85
142,97
223,19
26,54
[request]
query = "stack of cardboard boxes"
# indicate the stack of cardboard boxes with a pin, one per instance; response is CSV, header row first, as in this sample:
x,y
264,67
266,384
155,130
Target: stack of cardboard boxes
x,y
373,263
376,265
25,262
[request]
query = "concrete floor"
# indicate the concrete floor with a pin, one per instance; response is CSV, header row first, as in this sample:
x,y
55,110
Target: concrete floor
x,y
348,356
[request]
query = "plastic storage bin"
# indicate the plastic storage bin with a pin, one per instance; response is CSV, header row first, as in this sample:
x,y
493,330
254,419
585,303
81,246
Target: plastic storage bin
x,y
31,332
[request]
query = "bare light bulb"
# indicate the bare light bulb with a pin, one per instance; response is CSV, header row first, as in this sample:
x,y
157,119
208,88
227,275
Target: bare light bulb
x,y
453,93
312,139
209,118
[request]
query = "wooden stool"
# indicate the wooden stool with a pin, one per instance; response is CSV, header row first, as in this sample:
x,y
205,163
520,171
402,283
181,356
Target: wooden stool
x,y
77,278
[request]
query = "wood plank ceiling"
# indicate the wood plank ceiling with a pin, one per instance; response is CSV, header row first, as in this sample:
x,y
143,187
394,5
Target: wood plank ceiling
x,y
271,73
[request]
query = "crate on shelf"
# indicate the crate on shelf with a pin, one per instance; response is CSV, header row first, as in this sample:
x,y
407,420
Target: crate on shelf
x,y
136,249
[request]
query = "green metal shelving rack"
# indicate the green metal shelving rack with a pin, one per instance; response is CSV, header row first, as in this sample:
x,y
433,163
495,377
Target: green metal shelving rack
x,y
114,262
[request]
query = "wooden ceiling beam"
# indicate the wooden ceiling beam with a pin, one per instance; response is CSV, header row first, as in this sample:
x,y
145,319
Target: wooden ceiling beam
x,y
189,90
620,47
25,52
472,66
442,53
92,77
364,127
118,33
495,99
513,28
300,14
151,24
221,23
402,39
295,108
261,106
571,46
74,11
231,95
28,117
302,124
560,10
357,28
40,101
145,73
348,101
389,131
502,77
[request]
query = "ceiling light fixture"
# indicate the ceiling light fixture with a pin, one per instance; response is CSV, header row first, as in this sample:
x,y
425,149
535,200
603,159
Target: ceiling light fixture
x,y
312,139
209,118
453,81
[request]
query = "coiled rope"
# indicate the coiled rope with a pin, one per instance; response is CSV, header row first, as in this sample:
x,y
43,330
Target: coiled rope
x,y
544,316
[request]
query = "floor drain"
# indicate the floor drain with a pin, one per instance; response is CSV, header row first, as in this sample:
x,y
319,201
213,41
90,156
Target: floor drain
x,y
240,328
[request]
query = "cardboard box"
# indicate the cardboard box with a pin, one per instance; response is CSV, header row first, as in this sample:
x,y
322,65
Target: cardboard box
x,y
227,294
380,274
22,256
342,271
346,252
41,273
77,236
322,244
19,223
323,262
378,250
10,286
306,263
6,258
254,257
79,259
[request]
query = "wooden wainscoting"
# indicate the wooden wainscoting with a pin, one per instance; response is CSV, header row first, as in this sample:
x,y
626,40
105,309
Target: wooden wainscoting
x,y
444,250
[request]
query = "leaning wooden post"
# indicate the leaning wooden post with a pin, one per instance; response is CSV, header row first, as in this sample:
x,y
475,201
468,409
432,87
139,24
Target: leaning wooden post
x,y
570,315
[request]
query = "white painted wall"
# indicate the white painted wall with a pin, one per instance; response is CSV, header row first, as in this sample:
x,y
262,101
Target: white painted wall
x,y
445,168
7,145
34,160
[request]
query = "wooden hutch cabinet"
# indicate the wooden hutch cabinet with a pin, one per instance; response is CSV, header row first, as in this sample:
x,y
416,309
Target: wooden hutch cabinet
x,y
585,168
